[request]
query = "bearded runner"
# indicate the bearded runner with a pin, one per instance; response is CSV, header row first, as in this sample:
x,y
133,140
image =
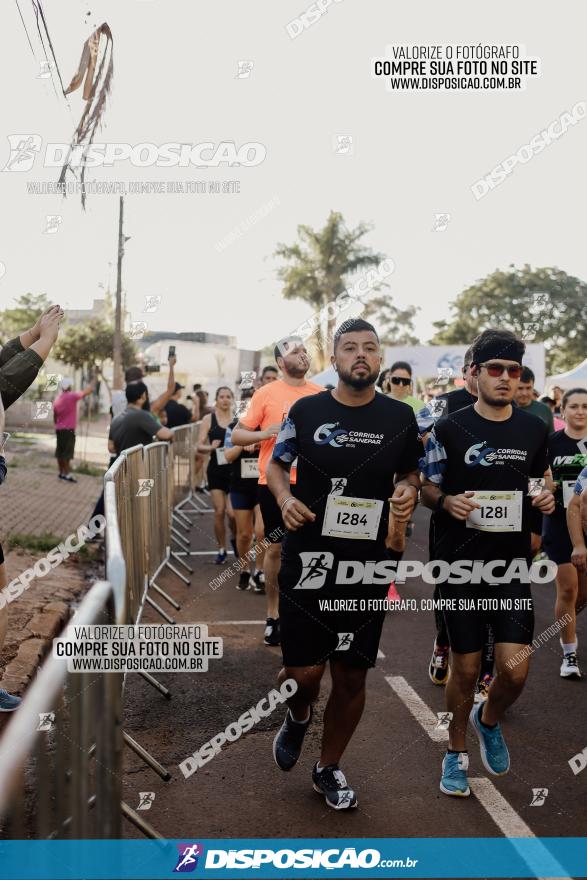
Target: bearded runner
x,y
355,448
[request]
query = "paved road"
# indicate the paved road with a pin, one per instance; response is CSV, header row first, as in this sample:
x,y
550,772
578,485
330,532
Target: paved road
x,y
394,759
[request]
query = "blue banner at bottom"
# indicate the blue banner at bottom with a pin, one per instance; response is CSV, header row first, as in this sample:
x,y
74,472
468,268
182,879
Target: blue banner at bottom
x,y
560,857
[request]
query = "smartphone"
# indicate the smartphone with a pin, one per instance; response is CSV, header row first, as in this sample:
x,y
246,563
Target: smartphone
x,y
171,352
4,438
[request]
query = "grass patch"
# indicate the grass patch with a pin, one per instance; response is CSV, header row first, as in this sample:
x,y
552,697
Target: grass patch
x,y
34,543
88,469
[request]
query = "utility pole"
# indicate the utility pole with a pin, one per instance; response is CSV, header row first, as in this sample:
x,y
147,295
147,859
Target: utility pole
x,y
117,354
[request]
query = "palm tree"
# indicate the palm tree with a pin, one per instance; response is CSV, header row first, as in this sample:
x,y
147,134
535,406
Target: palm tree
x,y
318,268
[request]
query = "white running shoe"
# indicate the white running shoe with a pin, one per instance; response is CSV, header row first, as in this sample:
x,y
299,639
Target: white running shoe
x,y
570,667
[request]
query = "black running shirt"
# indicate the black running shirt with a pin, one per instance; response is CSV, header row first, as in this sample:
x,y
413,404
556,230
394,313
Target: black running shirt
x,y
466,451
567,458
349,451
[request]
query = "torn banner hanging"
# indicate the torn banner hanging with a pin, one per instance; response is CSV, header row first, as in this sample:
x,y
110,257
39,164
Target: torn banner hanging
x,y
97,87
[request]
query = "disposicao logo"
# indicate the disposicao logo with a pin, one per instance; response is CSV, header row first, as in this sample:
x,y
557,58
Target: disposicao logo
x,y
187,860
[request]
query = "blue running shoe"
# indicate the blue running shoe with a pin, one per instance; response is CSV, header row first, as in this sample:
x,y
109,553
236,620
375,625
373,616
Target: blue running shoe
x,y
220,557
8,702
454,774
494,752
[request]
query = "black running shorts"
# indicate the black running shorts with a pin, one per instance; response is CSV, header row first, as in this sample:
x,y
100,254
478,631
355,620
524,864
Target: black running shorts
x,y
311,636
512,620
556,542
275,530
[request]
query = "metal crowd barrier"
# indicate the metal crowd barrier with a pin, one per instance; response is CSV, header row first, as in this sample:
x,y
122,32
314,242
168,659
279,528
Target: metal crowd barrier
x,y
61,753
186,499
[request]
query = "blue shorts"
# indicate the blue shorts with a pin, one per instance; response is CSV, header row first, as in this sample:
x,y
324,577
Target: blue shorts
x,y
244,500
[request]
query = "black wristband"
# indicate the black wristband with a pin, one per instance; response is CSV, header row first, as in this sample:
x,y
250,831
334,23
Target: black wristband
x,y
440,503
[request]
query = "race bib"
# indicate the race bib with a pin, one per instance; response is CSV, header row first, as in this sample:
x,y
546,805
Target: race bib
x,y
347,517
220,456
568,486
250,468
498,512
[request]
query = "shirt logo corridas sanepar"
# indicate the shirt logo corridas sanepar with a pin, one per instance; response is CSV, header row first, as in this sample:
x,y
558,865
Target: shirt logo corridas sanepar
x,y
332,434
484,455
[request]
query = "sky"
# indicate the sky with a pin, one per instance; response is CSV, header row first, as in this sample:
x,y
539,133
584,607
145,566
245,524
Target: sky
x,y
415,154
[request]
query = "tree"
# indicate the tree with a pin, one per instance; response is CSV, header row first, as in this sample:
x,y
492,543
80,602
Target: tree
x,y
541,305
394,326
23,315
318,267
83,345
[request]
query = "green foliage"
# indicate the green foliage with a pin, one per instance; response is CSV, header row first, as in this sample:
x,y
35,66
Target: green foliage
x,y
91,342
35,543
506,299
395,326
22,315
319,267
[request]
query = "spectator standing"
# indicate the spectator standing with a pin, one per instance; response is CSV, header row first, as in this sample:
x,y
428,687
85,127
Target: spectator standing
x,y
65,416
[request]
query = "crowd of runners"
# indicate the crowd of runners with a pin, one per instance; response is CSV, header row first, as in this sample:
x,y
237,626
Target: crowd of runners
x,y
317,488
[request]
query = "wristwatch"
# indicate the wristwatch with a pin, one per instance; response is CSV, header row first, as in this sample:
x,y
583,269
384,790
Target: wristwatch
x,y
440,503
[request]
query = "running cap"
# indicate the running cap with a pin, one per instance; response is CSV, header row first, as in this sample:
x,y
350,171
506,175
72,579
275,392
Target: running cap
x,y
497,345
65,384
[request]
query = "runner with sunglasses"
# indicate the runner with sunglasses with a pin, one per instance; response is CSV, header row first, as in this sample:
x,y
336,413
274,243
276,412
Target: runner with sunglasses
x,y
444,405
477,468
398,383
568,456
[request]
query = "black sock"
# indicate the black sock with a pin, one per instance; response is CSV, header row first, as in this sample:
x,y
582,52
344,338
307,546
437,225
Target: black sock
x,y
482,723
456,752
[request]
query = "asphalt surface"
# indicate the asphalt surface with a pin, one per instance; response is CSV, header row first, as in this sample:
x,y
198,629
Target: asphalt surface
x,y
392,761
